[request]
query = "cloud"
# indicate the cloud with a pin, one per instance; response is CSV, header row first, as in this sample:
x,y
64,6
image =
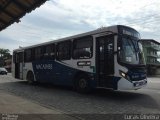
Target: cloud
x,y
57,19
8,43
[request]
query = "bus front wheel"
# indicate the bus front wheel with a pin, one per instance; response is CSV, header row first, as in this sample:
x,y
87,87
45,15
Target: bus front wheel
x,y
82,84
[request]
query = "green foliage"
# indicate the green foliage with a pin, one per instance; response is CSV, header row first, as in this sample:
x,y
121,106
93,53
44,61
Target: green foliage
x,y
4,54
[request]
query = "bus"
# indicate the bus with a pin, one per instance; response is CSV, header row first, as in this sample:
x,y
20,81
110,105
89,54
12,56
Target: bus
x,y
108,57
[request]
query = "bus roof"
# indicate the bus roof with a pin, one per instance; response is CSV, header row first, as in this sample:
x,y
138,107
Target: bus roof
x,y
110,29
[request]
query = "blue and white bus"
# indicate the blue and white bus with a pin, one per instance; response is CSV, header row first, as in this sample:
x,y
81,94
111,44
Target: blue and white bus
x,y
109,57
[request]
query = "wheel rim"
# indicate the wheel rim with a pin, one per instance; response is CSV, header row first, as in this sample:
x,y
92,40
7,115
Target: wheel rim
x,y
82,83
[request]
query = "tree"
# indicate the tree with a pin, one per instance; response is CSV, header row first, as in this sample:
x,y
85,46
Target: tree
x,y
4,54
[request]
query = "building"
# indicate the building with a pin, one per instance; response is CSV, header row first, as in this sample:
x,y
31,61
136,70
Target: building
x,y
151,49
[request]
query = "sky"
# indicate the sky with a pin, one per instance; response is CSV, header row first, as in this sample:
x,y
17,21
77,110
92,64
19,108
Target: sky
x,y
62,18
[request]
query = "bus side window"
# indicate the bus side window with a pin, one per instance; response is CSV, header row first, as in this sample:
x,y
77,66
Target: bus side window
x,y
28,55
20,57
83,48
49,52
64,50
38,53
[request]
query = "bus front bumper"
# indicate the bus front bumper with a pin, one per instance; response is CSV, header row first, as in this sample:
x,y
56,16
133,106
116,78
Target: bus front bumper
x,y
124,84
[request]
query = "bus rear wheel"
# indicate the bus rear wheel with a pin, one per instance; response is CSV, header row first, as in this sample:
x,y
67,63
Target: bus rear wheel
x,y
30,78
82,84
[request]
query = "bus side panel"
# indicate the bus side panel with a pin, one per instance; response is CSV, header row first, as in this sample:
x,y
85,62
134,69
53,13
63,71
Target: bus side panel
x,y
27,67
51,71
56,73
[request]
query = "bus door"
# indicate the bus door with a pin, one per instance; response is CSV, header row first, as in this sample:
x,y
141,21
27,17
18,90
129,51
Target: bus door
x,y
19,65
105,60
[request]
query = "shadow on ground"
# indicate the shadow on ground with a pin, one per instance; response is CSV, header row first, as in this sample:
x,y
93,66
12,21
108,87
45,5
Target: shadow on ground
x,y
65,98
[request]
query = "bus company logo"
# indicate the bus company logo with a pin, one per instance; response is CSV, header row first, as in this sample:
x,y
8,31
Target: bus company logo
x,y
44,66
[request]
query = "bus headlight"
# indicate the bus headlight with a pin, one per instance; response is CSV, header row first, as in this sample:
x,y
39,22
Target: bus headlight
x,y
124,75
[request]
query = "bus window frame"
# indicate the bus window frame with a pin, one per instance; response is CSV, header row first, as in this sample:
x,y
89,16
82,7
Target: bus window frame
x,y
41,53
44,51
82,39
25,55
70,48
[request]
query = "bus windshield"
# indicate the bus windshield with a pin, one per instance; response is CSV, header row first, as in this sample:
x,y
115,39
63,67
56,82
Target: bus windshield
x,y
131,51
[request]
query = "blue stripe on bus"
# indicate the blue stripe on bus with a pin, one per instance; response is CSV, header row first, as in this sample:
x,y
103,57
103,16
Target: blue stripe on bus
x,y
54,72
115,82
60,74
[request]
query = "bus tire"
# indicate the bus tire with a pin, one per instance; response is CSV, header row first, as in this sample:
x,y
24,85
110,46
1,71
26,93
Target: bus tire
x,y
82,84
30,77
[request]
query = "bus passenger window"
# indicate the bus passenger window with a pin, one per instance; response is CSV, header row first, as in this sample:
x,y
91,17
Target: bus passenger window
x,y
82,48
64,50
38,53
49,52
28,55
